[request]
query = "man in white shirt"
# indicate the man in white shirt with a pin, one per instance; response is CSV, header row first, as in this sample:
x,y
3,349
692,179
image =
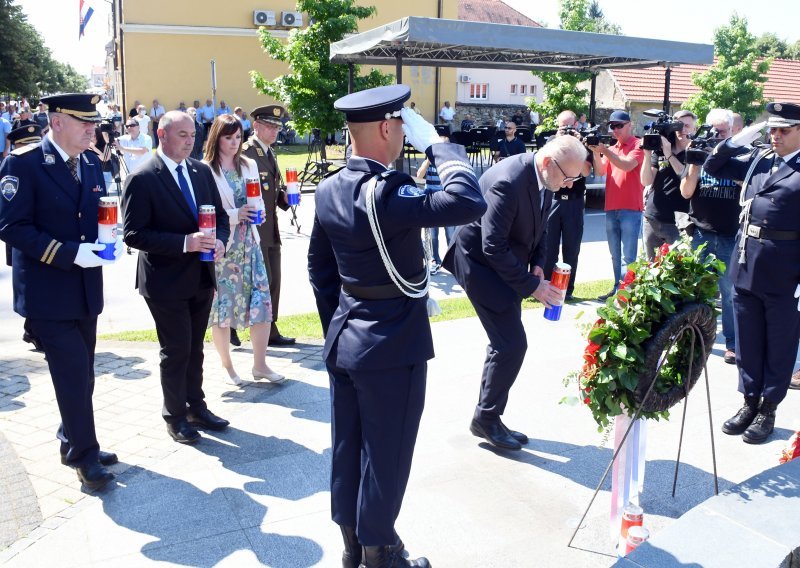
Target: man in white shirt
x,y
447,114
143,119
135,146
156,112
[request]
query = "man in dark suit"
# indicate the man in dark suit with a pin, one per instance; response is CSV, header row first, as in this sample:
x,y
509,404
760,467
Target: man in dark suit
x,y
267,123
48,216
498,261
160,207
765,267
372,303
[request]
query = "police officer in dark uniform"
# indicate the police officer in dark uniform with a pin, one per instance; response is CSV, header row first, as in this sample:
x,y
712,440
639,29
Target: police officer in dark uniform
x,y
267,123
371,292
765,266
48,215
565,221
19,138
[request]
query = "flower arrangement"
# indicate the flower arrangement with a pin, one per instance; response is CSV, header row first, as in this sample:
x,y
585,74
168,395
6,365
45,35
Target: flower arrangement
x,y
615,359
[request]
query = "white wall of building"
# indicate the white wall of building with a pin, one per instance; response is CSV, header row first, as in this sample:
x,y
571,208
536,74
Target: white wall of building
x,y
496,86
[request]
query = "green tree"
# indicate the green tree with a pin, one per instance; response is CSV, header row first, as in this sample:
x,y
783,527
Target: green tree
x,y
561,90
736,80
770,45
28,69
314,83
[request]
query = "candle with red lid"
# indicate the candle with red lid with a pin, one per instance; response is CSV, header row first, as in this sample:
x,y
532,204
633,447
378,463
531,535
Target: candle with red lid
x,y
254,198
207,219
292,187
559,279
107,226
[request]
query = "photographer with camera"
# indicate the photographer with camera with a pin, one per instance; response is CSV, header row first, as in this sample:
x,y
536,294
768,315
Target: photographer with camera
x,y
565,221
714,211
134,146
620,164
661,170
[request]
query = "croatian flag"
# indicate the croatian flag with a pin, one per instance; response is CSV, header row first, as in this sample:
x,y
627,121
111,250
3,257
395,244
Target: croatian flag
x,y
85,12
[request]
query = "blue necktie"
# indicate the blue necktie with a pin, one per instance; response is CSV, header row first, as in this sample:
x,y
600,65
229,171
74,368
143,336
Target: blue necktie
x,y
187,193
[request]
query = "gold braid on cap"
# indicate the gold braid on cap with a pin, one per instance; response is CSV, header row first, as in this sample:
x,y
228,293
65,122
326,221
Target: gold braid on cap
x,y
92,113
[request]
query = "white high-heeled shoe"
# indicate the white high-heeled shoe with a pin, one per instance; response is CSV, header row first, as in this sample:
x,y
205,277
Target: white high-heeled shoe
x,y
235,380
271,377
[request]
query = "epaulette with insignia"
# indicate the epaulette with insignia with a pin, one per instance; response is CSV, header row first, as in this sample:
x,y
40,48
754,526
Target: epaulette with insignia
x,y
24,149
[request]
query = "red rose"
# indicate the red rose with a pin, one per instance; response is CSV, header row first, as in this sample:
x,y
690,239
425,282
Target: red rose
x,y
587,390
587,400
630,276
663,250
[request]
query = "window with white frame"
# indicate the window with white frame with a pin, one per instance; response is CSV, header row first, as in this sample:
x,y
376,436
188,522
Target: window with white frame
x,y
478,91
513,90
532,91
523,90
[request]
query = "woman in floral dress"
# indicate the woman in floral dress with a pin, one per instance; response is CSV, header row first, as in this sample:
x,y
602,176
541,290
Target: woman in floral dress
x,y
242,298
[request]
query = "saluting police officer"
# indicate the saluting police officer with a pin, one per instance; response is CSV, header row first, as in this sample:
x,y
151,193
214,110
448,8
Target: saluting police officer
x,y
765,266
48,215
371,292
267,123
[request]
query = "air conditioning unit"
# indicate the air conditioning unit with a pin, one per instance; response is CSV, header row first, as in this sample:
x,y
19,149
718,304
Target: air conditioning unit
x,y
292,19
263,18
464,79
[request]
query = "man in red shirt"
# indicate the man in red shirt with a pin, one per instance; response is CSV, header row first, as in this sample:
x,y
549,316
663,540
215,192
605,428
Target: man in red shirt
x,y
620,164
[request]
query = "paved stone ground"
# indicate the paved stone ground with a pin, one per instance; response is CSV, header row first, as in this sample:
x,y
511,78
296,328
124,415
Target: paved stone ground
x,y
257,494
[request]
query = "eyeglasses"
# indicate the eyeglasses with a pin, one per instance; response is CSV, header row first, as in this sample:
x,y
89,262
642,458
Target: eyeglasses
x,y
616,125
507,128
566,177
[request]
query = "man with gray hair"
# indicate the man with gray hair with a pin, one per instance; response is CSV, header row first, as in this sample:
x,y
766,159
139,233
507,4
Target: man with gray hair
x,y
714,213
490,258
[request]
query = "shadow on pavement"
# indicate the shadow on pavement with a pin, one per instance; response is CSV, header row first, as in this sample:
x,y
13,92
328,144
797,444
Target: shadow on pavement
x,y
106,362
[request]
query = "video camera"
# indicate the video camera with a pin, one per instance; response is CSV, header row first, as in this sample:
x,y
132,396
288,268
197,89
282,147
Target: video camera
x,y
594,138
701,145
664,126
107,128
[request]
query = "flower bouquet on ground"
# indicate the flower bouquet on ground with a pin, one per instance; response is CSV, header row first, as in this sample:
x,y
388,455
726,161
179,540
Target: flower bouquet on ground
x,y
658,331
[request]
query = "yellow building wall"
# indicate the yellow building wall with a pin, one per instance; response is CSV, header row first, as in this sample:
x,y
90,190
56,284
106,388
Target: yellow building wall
x,y
176,67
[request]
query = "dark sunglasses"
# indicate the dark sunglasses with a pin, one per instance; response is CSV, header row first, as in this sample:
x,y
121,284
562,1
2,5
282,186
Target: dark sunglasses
x,y
566,177
616,125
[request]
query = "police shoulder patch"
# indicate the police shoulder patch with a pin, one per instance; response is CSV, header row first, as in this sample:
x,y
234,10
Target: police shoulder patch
x,y
9,186
410,191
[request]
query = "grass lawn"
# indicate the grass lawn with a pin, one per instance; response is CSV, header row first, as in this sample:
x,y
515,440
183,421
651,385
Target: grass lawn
x,y
296,155
307,326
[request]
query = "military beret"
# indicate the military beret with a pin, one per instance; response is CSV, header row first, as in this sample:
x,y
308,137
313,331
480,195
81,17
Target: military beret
x,y
273,114
783,115
28,134
81,106
373,105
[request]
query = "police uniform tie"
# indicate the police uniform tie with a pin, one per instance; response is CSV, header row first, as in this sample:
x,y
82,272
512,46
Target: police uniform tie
x,y
187,193
72,163
776,163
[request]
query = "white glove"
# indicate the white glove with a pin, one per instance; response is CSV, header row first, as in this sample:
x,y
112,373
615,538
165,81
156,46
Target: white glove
x,y
797,295
118,249
86,258
420,133
748,135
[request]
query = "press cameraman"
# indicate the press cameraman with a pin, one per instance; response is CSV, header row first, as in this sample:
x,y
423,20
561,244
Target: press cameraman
x,y
714,212
663,175
104,141
135,146
565,221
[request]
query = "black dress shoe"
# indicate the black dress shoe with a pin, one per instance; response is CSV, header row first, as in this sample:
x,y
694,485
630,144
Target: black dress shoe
x,y
281,340
94,475
386,557
235,341
33,340
182,432
763,424
494,433
605,297
741,420
518,436
105,458
206,419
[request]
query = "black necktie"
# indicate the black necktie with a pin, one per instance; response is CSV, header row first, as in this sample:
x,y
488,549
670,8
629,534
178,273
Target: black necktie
x,y
776,163
72,163
187,193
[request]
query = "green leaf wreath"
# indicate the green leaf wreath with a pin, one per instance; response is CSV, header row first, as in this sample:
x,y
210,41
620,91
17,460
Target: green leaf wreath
x,y
614,358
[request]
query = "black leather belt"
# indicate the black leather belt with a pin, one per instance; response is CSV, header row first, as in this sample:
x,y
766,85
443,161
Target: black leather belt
x,y
383,292
771,234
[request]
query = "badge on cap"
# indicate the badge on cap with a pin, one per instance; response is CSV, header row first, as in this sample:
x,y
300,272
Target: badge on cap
x,y
95,100
276,111
410,191
777,107
9,186
31,129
